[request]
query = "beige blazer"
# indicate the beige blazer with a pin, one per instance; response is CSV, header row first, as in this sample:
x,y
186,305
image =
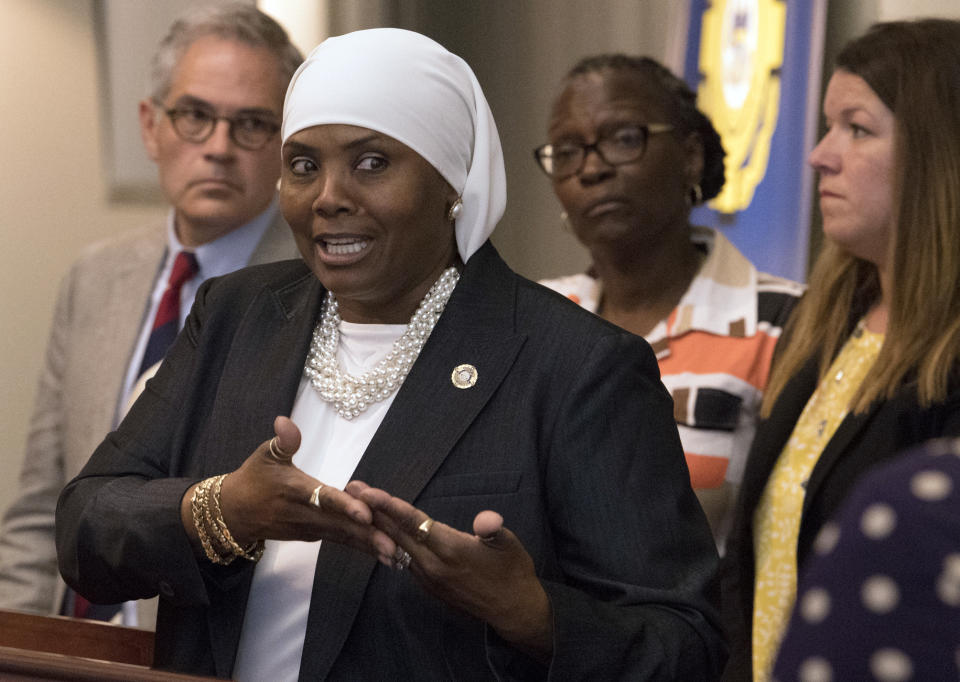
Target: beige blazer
x,y
98,317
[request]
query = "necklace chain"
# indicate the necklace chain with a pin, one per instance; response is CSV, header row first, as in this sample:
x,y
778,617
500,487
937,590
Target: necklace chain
x,y
352,395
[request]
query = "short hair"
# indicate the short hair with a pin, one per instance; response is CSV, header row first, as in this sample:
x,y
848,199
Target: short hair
x,y
239,22
682,102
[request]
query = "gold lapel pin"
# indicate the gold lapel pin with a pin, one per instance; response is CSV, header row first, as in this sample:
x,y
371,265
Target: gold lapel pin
x,y
464,376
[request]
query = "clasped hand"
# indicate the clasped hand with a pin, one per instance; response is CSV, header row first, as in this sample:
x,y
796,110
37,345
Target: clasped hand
x,y
487,574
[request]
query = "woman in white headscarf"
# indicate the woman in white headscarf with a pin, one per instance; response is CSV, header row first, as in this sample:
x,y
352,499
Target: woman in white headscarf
x,y
510,459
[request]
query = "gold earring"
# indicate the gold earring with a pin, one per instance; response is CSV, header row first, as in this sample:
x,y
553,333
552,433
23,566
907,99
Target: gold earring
x,y
455,210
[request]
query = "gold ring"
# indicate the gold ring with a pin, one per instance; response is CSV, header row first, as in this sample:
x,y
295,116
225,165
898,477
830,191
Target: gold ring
x,y
276,451
423,530
315,496
402,559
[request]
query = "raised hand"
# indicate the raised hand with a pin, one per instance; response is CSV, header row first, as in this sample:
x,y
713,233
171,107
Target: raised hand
x,y
268,498
488,574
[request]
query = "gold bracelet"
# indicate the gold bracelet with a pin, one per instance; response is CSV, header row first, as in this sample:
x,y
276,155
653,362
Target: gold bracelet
x,y
215,538
211,527
198,503
251,552
219,544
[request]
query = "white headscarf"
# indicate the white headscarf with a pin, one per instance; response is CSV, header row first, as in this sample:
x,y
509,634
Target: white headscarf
x,y
407,86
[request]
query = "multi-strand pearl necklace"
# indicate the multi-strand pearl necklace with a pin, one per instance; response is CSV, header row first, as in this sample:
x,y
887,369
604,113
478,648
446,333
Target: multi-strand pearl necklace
x,y
352,395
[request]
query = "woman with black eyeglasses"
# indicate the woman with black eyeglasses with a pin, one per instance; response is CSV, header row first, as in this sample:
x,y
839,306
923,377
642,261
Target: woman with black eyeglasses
x,y
629,155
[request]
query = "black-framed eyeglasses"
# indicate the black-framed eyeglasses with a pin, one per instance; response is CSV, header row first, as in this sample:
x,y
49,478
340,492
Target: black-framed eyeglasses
x,y
622,145
196,124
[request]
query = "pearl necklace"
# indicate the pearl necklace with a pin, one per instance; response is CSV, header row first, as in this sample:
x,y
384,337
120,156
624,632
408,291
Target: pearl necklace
x,y
352,395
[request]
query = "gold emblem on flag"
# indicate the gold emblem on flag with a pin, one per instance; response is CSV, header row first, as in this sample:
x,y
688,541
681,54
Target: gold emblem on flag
x,y
741,54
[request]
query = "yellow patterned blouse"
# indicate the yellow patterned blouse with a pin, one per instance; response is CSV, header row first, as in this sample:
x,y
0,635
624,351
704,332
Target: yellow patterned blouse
x,y
777,519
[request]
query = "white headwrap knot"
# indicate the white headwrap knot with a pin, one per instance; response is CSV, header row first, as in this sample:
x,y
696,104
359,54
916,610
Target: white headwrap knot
x,y
407,86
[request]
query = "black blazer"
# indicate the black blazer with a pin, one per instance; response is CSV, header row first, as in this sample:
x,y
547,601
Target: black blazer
x,y
568,433
860,443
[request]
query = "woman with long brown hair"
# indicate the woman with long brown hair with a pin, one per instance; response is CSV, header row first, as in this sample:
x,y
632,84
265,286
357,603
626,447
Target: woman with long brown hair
x,y
869,364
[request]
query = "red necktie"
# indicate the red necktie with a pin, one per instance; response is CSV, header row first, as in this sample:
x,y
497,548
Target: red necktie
x,y
167,321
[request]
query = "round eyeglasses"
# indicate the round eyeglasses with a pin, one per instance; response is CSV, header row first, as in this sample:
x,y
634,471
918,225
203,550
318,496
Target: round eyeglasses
x,y
196,124
623,145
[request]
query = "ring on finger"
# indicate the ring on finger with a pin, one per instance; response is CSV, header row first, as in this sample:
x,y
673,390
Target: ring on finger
x,y
423,530
315,495
402,559
276,451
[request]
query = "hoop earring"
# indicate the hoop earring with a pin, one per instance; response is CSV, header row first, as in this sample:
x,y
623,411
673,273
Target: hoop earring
x,y
455,210
696,195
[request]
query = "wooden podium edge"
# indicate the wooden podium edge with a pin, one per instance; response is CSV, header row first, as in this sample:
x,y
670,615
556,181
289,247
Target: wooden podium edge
x,y
76,637
20,665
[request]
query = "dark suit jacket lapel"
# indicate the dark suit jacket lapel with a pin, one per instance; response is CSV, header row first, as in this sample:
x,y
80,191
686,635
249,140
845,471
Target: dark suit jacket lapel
x,y
772,435
428,417
430,413
261,377
266,358
850,427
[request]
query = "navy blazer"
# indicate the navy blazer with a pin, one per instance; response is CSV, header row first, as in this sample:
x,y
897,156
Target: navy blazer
x,y
860,442
568,433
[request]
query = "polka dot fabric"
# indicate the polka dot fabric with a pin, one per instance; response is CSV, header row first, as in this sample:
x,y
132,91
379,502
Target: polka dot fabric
x,y
881,600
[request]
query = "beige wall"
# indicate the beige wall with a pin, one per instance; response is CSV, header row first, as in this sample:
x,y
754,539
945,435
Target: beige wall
x,y
52,196
55,201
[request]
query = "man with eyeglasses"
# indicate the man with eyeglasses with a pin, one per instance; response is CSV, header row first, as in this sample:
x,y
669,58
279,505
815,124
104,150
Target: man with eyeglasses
x,y
210,124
